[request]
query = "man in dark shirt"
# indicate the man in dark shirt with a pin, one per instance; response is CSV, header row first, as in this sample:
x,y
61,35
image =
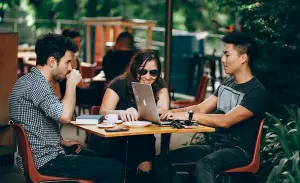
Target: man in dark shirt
x,y
33,105
116,60
239,105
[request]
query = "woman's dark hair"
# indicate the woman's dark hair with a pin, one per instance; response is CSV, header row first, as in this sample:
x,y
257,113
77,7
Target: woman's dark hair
x,y
140,59
52,45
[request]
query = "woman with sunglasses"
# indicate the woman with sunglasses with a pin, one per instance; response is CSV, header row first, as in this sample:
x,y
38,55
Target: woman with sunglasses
x,y
145,68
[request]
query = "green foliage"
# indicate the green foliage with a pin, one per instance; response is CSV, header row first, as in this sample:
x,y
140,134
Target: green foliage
x,y
102,8
66,9
276,26
24,31
191,15
8,3
280,153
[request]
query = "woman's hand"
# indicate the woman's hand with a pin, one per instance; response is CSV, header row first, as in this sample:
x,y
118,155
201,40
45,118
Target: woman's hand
x,y
129,114
69,143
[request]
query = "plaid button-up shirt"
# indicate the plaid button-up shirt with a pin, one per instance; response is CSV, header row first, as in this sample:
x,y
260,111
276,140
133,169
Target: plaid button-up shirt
x,y
33,104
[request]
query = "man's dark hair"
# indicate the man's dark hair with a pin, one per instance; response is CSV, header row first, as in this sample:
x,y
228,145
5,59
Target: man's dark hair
x,y
71,33
127,38
54,45
244,44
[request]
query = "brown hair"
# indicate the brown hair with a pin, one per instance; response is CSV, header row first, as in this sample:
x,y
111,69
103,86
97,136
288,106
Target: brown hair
x,y
131,73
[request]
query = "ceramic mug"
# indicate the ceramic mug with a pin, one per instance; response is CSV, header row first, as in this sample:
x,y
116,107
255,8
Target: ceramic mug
x,y
111,118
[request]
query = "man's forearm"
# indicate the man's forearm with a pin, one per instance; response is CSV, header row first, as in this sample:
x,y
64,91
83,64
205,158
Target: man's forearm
x,y
212,120
186,109
69,101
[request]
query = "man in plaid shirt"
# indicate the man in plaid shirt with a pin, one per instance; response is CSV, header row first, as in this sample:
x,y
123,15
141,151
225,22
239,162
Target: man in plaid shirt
x,y
33,104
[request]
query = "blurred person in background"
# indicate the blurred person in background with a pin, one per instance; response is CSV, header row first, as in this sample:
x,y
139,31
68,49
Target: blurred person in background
x,y
76,60
116,60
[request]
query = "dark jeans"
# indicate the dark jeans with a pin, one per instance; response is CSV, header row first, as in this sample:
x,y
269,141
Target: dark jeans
x,y
84,166
140,149
203,161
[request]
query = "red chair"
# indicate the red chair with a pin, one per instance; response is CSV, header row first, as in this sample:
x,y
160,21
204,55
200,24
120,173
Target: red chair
x,y
30,171
199,96
95,109
253,166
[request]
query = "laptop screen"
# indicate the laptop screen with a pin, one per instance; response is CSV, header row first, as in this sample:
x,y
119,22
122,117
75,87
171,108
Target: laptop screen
x,y
145,102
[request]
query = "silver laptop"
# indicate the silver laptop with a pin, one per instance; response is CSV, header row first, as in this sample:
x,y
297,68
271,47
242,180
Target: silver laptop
x,y
146,103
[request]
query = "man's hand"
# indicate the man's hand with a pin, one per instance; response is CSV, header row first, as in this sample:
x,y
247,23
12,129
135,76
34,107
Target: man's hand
x,y
161,111
69,143
164,114
169,115
179,116
74,77
129,114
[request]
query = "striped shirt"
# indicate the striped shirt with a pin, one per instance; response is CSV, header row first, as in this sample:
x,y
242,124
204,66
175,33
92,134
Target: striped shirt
x,y
33,104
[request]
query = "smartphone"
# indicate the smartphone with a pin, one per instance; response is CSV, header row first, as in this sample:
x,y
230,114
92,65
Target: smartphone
x,y
116,129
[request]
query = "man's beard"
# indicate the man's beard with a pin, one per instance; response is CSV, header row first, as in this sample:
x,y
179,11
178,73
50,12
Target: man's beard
x,y
57,77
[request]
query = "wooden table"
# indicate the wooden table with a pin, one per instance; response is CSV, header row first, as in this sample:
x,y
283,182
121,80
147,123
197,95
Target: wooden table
x,y
153,129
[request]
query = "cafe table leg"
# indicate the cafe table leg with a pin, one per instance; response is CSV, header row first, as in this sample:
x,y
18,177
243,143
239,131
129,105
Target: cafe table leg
x,y
126,160
164,151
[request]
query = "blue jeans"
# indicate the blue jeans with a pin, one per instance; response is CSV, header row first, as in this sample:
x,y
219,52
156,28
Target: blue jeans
x,y
203,161
86,166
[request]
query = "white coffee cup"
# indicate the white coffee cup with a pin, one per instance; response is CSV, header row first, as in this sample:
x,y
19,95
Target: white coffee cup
x,y
111,118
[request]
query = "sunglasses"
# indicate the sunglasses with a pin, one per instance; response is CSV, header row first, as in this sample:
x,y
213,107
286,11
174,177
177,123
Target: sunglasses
x,y
153,72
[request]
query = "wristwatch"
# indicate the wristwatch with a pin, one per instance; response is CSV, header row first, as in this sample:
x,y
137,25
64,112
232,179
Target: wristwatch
x,y
191,113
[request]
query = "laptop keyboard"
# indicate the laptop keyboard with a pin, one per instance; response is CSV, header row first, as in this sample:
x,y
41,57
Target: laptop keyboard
x,y
166,122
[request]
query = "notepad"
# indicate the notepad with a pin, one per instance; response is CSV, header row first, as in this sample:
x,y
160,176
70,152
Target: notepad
x,y
89,119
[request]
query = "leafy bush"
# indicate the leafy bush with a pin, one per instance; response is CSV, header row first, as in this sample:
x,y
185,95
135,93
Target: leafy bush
x,y
280,153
